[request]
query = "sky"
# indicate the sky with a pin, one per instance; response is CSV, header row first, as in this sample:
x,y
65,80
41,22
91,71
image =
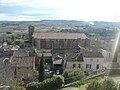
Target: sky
x,y
83,10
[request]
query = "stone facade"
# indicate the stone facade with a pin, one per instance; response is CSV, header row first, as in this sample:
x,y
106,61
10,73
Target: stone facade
x,y
54,41
25,73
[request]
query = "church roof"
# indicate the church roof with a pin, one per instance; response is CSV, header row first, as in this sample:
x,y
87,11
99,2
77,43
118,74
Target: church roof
x,y
60,36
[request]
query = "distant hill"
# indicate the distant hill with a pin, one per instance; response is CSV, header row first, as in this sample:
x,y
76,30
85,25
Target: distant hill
x,y
107,24
60,23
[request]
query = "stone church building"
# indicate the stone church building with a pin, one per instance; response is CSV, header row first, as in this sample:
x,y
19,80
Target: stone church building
x,y
60,40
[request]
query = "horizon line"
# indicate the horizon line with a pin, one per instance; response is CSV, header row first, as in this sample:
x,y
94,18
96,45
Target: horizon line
x,y
55,20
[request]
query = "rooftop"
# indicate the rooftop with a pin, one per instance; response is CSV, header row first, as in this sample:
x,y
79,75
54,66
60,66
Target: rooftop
x,y
58,61
60,36
20,53
47,53
86,54
75,57
92,54
22,61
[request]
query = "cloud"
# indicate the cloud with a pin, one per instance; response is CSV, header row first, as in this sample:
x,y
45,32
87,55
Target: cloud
x,y
87,10
25,10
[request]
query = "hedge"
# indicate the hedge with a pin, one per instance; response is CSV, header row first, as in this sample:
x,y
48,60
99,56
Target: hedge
x,y
16,88
48,84
72,75
108,84
82,82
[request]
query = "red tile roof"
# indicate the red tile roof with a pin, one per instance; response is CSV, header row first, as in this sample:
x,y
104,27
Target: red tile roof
x,y
25,61
21,53
59,36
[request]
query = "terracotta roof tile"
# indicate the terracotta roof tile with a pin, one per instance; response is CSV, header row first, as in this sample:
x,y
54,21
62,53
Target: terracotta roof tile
x,y
20,53
59,36
22,61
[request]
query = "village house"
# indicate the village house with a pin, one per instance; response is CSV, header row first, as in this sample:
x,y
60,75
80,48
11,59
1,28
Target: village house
x,y
59,62
48,59
88,61
23,65
74,60
93,61
5,37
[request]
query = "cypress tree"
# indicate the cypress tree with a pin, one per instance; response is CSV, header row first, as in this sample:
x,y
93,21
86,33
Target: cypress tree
x,y
42,69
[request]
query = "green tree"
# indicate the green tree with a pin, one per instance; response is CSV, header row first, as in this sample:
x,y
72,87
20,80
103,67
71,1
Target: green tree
x,y
94,85
108,84
16,88
17,42
12,38
42,69
49,84
71,75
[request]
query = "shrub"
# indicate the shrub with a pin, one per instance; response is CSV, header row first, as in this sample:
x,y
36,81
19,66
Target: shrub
x,y
82,82
48,84
16,88
108,84
71,75
94,85
19,82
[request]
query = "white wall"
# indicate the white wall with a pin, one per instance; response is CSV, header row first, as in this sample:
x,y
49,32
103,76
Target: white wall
x,y
93,62
70,64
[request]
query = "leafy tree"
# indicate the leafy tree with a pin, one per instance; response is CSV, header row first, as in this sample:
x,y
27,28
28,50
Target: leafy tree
x,y
12,38
49,84
94,85
42,69
108,84
16,88
17,42
71,75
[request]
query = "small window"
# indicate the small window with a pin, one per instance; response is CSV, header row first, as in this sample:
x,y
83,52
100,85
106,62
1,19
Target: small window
x,y
18,67
79,65
27,67
88,66
22,75
97,67
74,65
